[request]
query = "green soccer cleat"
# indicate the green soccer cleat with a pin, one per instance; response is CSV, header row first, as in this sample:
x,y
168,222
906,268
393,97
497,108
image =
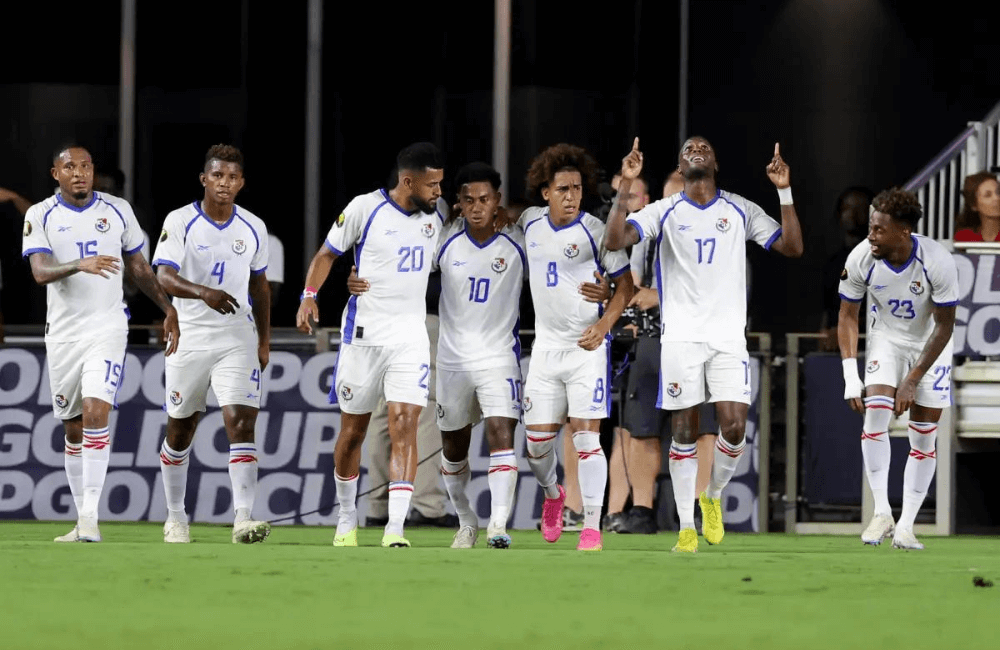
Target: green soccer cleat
x,y
687,541
711,519
395,541
350,538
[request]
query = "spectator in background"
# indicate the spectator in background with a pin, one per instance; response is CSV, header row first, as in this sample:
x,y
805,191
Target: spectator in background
x,y
673,184
851,215
980,218
275,265
20,204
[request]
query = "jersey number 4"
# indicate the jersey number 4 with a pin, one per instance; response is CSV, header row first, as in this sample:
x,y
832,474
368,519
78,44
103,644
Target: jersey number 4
x,y
219,271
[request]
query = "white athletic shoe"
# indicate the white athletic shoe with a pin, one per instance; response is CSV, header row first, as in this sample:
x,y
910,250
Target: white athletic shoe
x,y
250,531
497,537
466,537
176,532
904,539
880,527
87,530
71,536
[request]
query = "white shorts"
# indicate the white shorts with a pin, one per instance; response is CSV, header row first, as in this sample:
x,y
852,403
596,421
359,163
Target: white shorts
x,y
86,368
687,368
465,397
888,362
233,372
574,383
364,373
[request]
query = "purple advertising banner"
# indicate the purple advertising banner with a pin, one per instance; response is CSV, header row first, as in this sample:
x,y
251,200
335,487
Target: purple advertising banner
x,y
977,317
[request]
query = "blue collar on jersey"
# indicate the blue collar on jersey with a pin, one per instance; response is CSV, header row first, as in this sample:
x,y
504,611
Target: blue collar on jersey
x,y
473,239
906,264
388,198
197,206
93,199
715,198
576,220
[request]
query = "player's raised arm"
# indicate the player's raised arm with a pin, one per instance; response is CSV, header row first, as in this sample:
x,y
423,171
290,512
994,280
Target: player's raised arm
x,y
319,269
620,234
789,243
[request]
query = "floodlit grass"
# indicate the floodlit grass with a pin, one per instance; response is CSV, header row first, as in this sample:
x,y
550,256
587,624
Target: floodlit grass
x,y
297,591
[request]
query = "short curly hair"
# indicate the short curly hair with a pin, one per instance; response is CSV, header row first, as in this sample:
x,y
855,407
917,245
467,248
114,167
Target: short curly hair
x,y
557,158
225,153
900,205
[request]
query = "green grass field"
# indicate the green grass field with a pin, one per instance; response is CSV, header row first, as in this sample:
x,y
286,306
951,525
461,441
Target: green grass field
x,y
297,591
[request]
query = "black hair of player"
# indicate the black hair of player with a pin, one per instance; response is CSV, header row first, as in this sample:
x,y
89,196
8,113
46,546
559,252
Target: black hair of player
x,y
557,158
65,147
224,153
419,157
900,205
478,172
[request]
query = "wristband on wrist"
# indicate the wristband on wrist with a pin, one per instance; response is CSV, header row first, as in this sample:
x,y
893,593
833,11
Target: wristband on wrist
x,y
850,368
308,292
785,195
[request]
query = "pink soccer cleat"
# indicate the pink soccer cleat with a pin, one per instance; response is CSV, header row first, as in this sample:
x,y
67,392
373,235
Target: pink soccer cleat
x,y
590,540
552,516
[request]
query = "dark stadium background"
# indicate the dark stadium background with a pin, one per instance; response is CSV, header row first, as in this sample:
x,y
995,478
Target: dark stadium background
x,y
857,91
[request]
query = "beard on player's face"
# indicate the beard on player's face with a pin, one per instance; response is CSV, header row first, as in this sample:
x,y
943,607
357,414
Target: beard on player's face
x,y
422,204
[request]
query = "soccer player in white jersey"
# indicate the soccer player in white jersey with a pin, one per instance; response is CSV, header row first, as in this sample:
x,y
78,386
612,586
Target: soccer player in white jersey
x,y
569,372
384,346
912,286
76,242
210,252
701,235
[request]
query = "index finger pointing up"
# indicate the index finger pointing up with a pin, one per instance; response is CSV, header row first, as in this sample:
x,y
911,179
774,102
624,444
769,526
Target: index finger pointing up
x,y
635,144
777,151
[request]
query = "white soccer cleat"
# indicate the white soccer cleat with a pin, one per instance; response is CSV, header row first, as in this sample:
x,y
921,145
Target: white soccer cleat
x,y
177,532
880,527
71,536
905,539
466,537
497,537
250,531
87,530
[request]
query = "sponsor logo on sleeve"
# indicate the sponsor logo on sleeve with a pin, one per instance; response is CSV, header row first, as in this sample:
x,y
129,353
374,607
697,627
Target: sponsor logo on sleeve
x,y
341,219
163,235
27,228
843,274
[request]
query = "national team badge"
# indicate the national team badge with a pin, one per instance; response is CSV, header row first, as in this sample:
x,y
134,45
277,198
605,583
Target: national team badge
x,y
723,225
163,235
499,265
102,224
871,367
571,251
341,219
427,230
61,401
440,410
916,288
27,228
526,404
346,394
175,398
674,389
239,247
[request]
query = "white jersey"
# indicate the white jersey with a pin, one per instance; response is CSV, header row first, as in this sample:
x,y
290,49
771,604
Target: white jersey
x,y
701,266
393,250
902,299
560,259
83,305
217,256
480,297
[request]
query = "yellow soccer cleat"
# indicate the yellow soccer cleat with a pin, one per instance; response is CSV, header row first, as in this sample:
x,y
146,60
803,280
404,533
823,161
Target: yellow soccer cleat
x,y
350,538
711,519
395,541
687,541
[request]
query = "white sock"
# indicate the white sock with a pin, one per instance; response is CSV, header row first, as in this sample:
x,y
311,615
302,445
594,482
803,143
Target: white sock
x,y
542,460
73,461
875,449
502,479
724,463
683,466
174,466
243,474
592,475
96,455
347,497
400,493
456,479
919,470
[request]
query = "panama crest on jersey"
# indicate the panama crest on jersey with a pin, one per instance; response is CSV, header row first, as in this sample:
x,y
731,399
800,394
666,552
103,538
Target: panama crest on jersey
x,y
102,224
571,250
674,389
175,398
427,230
872,366
239,247
346,394
499,265
526,404
440,410
61,401
723,225
916,288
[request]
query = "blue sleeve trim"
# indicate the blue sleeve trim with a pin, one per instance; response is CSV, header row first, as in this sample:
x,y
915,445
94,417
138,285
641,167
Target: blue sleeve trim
x,y
135,250
257,271
945,304
635,225
335,251
30,251
162,262
848,298
774,238
622,270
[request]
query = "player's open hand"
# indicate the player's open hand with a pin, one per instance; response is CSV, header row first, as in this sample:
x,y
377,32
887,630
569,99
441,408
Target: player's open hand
x,y
171,332
644,298
632,163
220,301
599,292
355,285
308,309
777,170
905,395
102,265
592,337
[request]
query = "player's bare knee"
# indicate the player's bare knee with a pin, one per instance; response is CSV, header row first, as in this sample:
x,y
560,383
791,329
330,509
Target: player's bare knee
x,y
500,433
733,429
451,446
682,427
95,413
